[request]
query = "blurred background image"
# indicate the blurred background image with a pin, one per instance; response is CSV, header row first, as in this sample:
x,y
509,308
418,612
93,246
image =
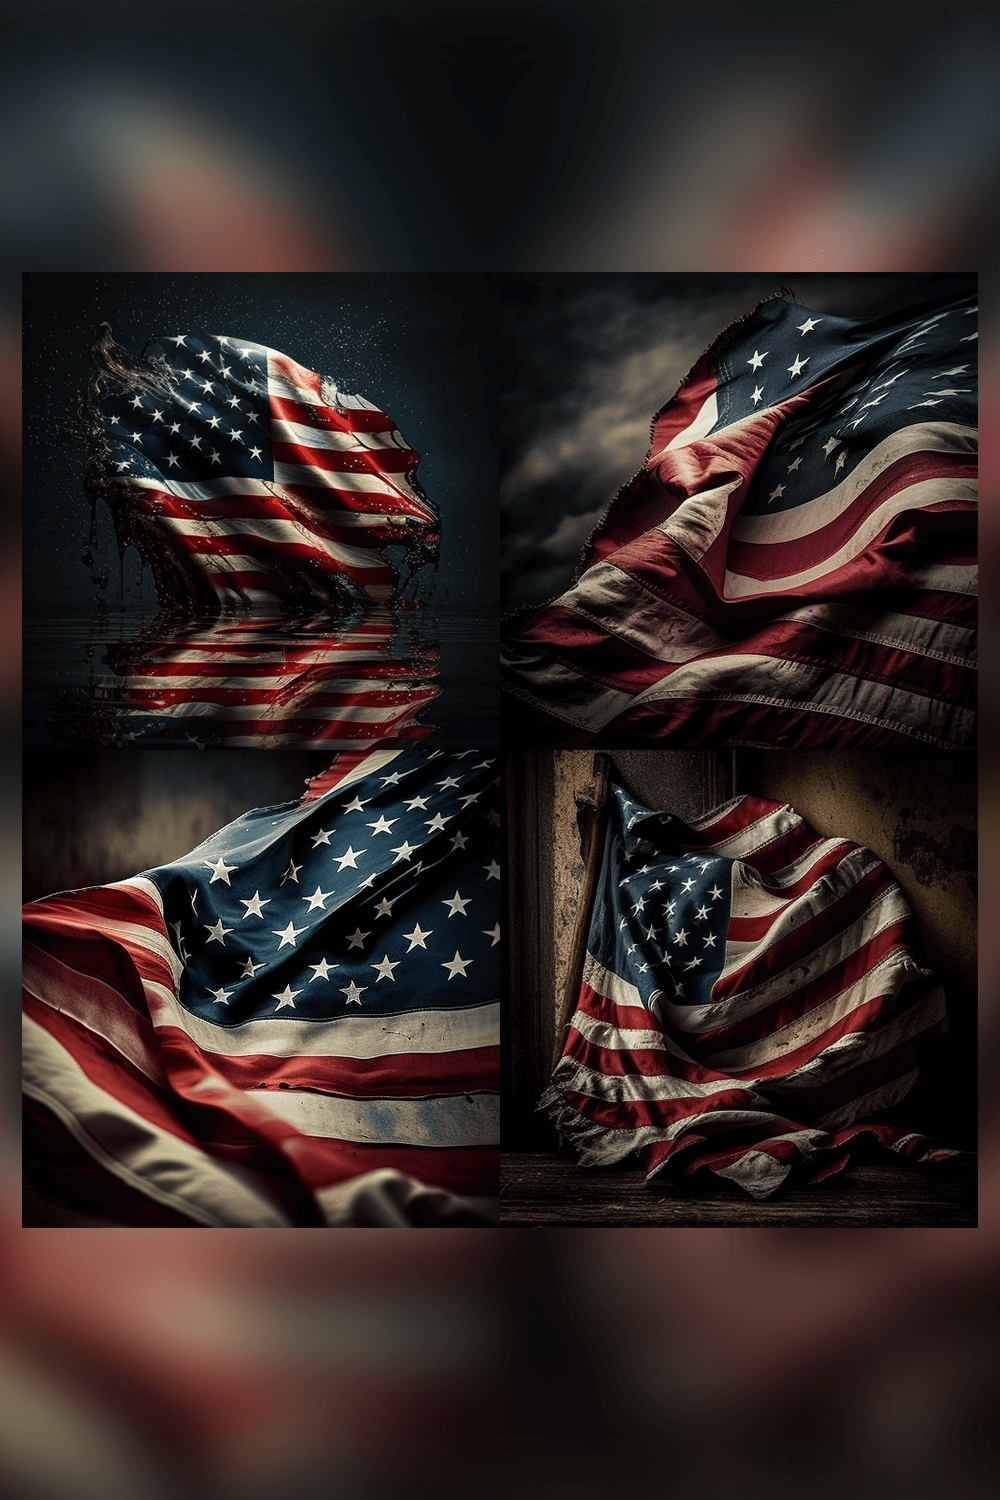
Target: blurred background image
x,y
475,137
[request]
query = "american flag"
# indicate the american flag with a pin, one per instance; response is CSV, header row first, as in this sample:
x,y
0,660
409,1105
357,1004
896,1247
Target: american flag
x,y
794,565
749,1004
264,680
241,476
309,996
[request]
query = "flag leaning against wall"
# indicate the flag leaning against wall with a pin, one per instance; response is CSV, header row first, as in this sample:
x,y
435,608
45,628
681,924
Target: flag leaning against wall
x,y
794,565
303,1006
749,1003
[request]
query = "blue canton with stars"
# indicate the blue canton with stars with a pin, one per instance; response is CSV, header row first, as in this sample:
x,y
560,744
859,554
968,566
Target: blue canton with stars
x,y
660,915
889,373
379,898
210,419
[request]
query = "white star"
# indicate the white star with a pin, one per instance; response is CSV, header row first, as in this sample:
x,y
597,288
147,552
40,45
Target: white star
x,y
382,826
175,427
250,969
350,858
969,338
874,402
420,802
124,464
949,391
194,442
220,996
891,381
135,436
493,933
493,817
353,993
288,936
457,905
136,401
286,997
448,781
204,354
385,968
219,870
688,885
841,460
709,940
809,325
640,905
214,421
715,893
218,932
794,465
701,914
292,873
215,457
255,453
457,965
657,884
681,937
758,392
437,822
404,850
356,805
955,370
178,339
777,492
252,416
172,461
923,403
384,908
323,837
157,416
236,436
799,364
416,938
693,964
459,841
758,359
391,780
322,970
207,387
357,938
253,906
233,401
832,443
225,372
492,870
317,899
193,405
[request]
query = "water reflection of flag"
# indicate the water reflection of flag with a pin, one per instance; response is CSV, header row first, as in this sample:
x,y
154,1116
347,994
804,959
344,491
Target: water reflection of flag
x,y
261,680
239,474
795,563
749,1004
309,996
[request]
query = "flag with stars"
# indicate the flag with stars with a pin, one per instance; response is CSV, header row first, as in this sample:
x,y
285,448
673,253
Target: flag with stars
x,y
794,565
749,1004
308,997
240,475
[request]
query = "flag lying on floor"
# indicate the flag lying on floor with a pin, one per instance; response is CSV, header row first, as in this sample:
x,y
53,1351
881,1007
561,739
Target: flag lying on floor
x,y
748,1004
308,997
240,475
263,680
795,563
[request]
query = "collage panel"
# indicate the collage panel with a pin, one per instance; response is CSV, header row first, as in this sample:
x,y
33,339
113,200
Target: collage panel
x,y
738,673
262,958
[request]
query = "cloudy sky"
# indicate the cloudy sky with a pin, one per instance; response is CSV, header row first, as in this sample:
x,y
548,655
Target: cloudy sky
x,y
586,361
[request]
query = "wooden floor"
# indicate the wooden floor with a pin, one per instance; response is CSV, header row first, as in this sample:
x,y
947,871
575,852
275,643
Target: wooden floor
x,y
540,1189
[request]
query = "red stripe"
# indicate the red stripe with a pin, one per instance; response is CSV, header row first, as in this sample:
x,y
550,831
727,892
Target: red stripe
x,y
326,418
359,460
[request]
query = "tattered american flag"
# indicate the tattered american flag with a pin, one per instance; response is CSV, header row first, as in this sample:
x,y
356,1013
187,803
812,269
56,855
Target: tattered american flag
x,y
749,1003
265,681
794,565
308,997
238,473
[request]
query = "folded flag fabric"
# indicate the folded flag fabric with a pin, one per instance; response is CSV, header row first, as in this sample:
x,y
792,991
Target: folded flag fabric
x,y
307,998
794,565
749,1005
240,476
264,680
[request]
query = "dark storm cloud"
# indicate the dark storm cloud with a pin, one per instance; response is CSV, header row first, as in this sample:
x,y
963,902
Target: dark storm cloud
x,y
587,361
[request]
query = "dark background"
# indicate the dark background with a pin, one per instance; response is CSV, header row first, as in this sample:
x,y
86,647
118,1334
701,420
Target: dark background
x,y
588,359
416,345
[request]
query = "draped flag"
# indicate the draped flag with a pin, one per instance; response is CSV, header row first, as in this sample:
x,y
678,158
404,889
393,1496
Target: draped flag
x,y
265,681
308,998
240,476
794,565
748,1004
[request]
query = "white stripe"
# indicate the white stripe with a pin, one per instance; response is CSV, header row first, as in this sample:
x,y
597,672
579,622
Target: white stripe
x,y
390,485
149,1159
900,632
699,428
927,492
857,1047
333,714
273,531
640,1088
623,607
233,489
803,520
265,682
329,438
443,1122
